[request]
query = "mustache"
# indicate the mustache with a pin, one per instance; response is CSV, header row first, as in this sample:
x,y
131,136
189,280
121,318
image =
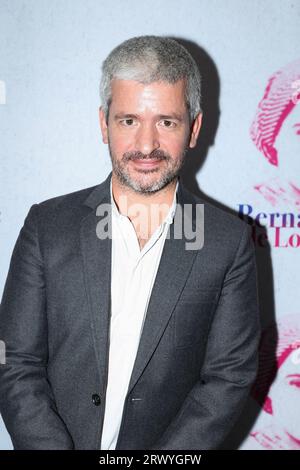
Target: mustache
x,y
155,155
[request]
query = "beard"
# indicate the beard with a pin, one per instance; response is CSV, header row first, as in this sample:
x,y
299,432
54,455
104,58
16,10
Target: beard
x,y
147,180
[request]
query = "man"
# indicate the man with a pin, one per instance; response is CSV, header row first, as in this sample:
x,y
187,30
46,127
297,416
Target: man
x,y
136,339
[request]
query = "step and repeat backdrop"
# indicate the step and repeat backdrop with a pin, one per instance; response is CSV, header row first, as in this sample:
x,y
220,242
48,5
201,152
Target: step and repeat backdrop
x,y
247,159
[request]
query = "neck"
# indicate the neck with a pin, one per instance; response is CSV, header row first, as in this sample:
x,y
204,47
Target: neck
x,y
146,211
125,197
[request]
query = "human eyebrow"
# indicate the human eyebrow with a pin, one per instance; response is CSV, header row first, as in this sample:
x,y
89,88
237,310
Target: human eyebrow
x,y
165,117
172,116
124,116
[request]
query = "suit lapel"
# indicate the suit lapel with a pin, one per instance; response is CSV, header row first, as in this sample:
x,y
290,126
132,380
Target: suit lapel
x,y
174,267
96,255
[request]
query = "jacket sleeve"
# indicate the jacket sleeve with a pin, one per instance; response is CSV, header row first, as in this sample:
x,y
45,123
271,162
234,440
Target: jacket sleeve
x,y
27,403
213,405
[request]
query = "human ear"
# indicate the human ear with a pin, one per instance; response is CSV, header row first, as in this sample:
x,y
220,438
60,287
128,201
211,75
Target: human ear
x,y
195,130
103,125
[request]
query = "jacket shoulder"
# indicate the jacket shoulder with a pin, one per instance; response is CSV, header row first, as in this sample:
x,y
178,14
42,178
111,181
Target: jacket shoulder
x,y
71,199
220,219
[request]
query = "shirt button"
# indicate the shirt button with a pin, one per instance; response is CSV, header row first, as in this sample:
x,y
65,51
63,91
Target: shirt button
x,y
96,399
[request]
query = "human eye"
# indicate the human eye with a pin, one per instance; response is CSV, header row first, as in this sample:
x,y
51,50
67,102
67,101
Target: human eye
x,y
168,124
295,383
128,122
294,380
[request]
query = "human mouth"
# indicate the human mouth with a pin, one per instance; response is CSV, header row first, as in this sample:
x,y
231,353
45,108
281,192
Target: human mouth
x,y
147,163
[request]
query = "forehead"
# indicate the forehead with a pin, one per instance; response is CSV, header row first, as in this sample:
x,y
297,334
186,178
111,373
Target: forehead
x,y
156,95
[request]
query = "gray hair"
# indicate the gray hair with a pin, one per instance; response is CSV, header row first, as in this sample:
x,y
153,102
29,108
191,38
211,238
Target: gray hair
x,y
149,59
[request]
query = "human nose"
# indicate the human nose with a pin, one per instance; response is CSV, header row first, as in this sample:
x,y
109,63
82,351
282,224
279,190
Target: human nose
x,y
147,139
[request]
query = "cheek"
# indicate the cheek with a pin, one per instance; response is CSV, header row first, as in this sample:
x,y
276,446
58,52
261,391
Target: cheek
x,y
174,145
121,142
285,401
287,413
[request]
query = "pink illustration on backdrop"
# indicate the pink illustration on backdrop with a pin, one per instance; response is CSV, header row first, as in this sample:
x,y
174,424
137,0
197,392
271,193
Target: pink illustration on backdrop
x,y
277,388
276,133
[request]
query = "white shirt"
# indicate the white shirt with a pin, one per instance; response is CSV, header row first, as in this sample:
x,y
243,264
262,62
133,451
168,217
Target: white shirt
x,y
133,272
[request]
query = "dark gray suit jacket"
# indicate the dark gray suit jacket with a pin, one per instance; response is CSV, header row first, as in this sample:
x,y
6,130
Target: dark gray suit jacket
x,y
197,357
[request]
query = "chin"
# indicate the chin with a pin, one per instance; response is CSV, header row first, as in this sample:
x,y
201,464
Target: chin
x,y
146,182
